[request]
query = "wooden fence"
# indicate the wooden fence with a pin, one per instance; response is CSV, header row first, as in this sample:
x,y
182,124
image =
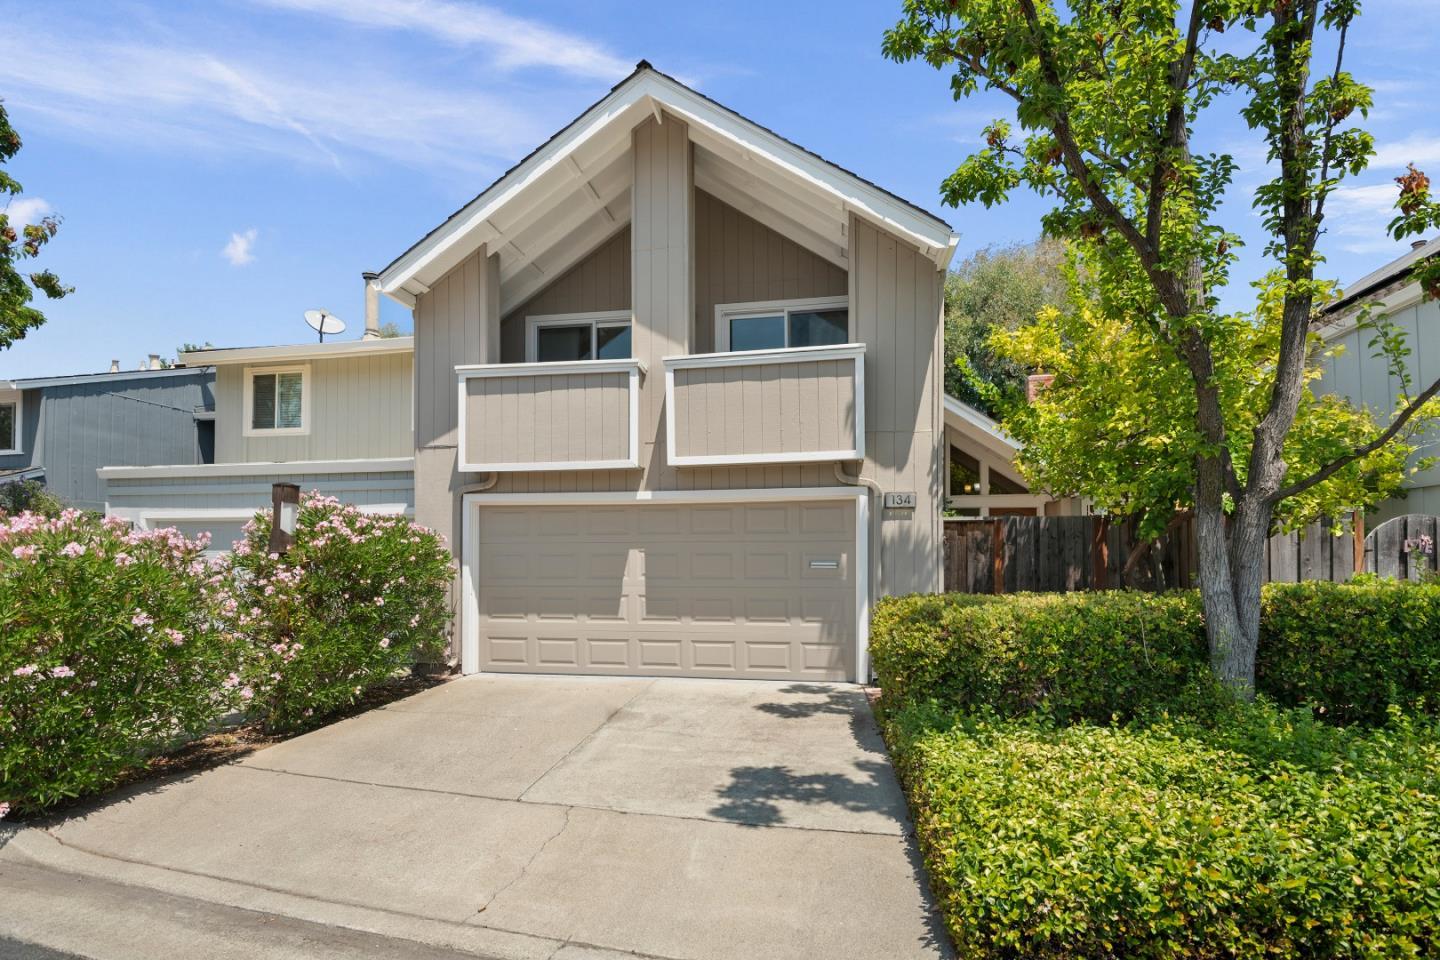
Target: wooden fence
x,y
1010,554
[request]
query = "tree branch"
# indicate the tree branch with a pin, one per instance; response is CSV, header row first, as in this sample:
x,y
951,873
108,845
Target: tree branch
x,y
1329,139
1340,463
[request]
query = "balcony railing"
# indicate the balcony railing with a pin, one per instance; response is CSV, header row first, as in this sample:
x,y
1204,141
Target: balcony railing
x,y
583,415
798,405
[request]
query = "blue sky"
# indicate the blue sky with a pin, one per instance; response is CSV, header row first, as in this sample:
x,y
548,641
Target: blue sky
x,y
222,166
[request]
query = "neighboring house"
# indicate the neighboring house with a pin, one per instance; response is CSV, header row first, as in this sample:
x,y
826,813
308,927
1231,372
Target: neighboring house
x,y
58,430
329,416
981,479
1365,379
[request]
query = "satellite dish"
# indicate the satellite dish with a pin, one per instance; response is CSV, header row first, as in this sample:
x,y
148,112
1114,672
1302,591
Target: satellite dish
x,y
323,322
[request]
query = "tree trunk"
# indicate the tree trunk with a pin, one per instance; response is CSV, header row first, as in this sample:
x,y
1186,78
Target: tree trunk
x,y
1232,652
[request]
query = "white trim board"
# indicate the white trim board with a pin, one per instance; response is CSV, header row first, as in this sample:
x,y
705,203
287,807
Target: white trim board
x,y
631,367
473,503
850,351
263,469
80,379
300,351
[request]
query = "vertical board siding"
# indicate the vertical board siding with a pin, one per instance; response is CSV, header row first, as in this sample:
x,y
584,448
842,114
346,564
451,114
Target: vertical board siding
x,y
740,260
767,408
359,408
565,417
74,429
599,283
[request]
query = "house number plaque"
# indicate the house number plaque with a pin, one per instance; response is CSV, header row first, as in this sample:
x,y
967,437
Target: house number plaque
x,y
900,501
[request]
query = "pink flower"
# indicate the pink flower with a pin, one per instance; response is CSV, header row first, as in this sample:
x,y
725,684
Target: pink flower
x,y
246,693
4,810
25,671
385,644
123,560
61,672
73,549
379,601
24,553
142,619
231,682
176,637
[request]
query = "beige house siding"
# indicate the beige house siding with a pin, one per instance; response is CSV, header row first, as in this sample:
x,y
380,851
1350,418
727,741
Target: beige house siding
x,y
895,307
769,408
739,260
548,419
359,408
598,283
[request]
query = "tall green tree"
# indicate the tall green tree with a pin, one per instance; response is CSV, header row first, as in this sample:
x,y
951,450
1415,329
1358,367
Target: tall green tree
x,y
17,244
1107,96
998,288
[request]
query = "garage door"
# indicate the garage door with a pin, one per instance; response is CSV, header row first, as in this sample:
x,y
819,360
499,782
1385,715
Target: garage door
x,y
762,590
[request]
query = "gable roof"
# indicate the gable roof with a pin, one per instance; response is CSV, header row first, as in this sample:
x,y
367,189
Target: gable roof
x,y
980,427
572,192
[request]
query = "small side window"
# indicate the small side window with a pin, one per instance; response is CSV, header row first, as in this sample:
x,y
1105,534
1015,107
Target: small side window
x,y
9,427
277,400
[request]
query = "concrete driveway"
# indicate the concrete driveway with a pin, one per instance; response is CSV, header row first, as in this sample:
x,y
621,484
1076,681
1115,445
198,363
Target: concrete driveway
x,y
509,817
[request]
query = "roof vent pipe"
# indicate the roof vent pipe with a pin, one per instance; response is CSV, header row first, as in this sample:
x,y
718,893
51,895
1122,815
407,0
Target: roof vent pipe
x,y
1417,244
372,306
114,366
154,361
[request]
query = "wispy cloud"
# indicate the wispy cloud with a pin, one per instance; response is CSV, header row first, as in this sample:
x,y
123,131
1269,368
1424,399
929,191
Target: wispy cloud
x,y
324,112
1356,216
239,251
25,210
1421,149
513,41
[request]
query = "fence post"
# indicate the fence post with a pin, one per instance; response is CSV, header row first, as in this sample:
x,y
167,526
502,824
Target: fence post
x,y
1100,555
1357,536
997,543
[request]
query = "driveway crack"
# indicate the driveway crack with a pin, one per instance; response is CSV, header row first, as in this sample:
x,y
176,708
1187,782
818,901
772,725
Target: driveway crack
x,y
588,737
528,863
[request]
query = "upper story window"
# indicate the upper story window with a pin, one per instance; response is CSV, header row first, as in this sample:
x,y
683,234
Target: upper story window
x,y
277,400
778,324
578,336
10,424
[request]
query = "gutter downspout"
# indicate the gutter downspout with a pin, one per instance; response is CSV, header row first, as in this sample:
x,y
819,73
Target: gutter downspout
x,y
878,505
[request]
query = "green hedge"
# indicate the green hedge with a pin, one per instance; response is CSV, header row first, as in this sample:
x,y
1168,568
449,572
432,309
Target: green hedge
x,y
1262,834
1350,650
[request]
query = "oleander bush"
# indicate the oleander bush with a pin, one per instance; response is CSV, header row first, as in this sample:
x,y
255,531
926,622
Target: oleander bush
x,y
108,652
1348,650
358,598
1257,833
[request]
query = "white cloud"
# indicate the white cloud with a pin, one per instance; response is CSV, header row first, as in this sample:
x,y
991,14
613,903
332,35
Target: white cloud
x,y
513,41
1420,149
1356,217
316,110
238,250
27,210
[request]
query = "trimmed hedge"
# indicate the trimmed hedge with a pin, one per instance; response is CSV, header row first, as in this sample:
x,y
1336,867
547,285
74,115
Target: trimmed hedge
x,y
1259,834
1349,650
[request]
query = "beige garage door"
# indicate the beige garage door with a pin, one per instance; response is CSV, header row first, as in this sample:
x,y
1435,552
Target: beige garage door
x,y
763,590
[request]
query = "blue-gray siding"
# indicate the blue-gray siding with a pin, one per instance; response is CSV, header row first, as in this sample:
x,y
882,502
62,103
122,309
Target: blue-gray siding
x,y
72,429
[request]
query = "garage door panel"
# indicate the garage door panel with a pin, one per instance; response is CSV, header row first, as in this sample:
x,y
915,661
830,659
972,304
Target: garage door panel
x,y
739,590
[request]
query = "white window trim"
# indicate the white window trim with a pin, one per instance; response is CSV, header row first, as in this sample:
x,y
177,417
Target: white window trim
x,y
18,398
725,312
984,500
473,503
248,424
603,318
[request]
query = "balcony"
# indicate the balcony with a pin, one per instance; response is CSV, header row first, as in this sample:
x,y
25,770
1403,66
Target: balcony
x,y
797,405
583,415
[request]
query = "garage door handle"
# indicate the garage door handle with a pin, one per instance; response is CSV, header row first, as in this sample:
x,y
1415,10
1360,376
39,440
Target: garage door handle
x,y
824,564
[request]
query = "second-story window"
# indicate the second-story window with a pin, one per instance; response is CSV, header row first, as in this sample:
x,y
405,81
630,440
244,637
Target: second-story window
x,y
276,400
569,337
782,323
10,425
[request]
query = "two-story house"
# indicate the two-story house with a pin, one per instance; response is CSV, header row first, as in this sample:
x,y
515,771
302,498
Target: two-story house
x,y
58,430
678,398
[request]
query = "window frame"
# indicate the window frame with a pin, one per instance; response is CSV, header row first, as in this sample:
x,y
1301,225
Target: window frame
x,y
725,312
248,424
595,318
15,398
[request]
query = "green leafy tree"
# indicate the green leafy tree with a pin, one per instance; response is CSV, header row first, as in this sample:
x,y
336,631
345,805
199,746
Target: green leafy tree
x,y
17,244
998,288
1108,95
1117,423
